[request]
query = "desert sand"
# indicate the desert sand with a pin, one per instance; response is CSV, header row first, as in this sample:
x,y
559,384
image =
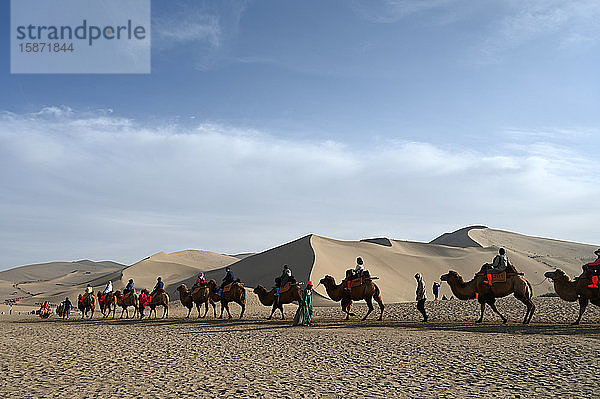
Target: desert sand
x,y
400,357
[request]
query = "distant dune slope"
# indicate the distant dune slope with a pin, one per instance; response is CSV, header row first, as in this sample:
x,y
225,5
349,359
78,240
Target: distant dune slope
x,y
459,238
52,270
263,267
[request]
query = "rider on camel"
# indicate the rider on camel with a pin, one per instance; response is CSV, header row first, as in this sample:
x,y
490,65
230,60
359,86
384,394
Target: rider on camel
x,y
594,268
129,288
499,265
228,279
200,281
159,286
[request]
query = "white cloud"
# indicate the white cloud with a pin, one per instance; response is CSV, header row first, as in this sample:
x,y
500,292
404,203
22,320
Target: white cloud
x,y
93,185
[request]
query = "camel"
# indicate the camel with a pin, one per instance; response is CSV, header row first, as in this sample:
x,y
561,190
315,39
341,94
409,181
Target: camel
x,y
367,291
108,303
86,304
477,289
160,298
126,302
574,290
236,294
201,295
267,298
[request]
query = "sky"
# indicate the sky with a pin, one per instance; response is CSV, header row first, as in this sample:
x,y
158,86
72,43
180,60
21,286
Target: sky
x,y
264,121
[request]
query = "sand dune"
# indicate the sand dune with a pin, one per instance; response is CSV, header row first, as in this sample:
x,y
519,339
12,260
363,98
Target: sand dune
x,y
312,257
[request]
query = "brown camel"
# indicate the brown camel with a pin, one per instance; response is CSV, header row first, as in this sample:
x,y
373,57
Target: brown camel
x,y
236,294
108,303
478,289
367,291
573,290
86,304
126,302
201,295
160,298
267,298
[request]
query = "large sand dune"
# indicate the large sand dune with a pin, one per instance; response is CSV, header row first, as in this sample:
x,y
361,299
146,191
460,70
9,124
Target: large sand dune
x,y
312,257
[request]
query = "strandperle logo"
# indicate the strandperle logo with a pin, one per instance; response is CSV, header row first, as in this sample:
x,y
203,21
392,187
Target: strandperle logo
x,y
80,36
85,31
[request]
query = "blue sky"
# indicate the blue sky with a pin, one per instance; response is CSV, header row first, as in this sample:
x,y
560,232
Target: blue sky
x,y
264,121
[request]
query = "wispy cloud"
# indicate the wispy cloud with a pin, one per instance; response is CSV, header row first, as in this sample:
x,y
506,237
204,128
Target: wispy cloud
x,y
185,28
390,11
94,185
568,23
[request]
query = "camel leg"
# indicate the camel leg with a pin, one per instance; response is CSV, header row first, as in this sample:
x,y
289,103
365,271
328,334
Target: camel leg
x,y
228,312
165,310
273,309
381,306
190,312
482,303
530,308
369,301
583,302
493,306
281,308
206,307
243,306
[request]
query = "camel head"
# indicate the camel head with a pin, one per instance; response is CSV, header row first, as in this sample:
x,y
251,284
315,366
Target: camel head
x,y
327,281
118,294
260,290
182,288
557,275
450,276
212,285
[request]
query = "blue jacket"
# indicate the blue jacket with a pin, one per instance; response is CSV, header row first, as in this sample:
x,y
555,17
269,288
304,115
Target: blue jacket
x,y
229,278
129,286
159,286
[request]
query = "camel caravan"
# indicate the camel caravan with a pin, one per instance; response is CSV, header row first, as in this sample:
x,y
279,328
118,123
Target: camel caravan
x,y
496,280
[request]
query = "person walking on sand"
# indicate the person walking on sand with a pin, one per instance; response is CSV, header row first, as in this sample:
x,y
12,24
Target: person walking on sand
x,y
436,290
305,310
67,308
421,298
143,302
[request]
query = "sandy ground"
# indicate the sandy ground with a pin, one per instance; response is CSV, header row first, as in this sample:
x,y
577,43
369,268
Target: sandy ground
x,y
399,357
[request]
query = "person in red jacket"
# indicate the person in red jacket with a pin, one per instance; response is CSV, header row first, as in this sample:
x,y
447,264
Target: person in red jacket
x,y
594,268
143,302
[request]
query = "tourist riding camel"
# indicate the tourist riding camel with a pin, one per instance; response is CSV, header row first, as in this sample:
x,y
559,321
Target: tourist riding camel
x,y
574,290
87,302
593,270
129,288
479,288
228,279
159,286
160,298
364,289
232,292
107,302
200,282
281,281
499,264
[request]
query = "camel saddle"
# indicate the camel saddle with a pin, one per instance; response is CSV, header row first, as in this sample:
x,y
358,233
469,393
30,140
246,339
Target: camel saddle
x,y
227,287
357,282
197,289
286,287
496,277
84,296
